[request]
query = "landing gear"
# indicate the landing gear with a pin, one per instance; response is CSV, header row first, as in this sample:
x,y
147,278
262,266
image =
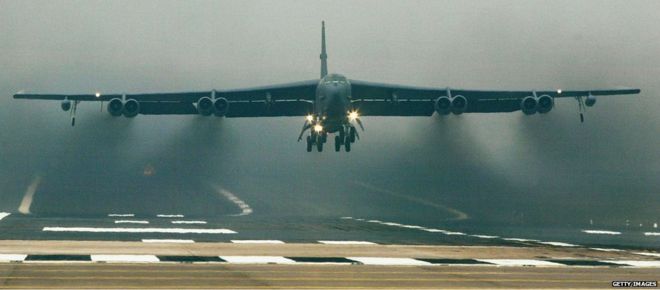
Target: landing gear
x,y
319,143
347,146
338,142
309,143
351,135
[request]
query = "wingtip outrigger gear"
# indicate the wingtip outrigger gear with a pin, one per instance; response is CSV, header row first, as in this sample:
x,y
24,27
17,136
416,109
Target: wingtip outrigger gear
x,y
581,107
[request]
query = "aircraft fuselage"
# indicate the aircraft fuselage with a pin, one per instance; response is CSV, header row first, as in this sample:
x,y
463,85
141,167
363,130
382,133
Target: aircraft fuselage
x,y
332,104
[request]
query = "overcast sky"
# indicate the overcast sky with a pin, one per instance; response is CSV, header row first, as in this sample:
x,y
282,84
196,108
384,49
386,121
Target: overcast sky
x,y
158,46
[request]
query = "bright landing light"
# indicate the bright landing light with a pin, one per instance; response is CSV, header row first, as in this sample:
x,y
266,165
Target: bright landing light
x,y
318,128
353,115
97,94
309,118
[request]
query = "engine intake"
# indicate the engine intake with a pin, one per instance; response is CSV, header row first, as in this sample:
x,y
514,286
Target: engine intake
x,y
443,105
458,104
205,106
221,105
528,105
131,108
115,107
544,104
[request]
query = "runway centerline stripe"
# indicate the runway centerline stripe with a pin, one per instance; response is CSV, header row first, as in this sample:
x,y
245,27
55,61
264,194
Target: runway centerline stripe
x,y
125,258
167,241
652,234
257,259
121,215
138,230
600,232
347,243
131,222
389,261
170,215
257,242
188,222
519,262
4,215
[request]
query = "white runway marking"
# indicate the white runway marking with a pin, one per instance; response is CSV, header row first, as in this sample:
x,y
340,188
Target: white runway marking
x,y
651,234
121,215
138,230
4,215
170,215
125,258
389,261
12,257
130,222
519,262
485,236
520,240
26,203
167,241
245,208
600,232
257,242
635,263
188,222
257,260
558,244
647,254
606,250
347,243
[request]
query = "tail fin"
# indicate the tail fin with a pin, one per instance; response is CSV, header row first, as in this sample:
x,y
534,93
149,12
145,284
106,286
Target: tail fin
x,y
324,56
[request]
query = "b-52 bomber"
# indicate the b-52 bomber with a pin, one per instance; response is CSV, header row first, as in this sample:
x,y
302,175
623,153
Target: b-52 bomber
x,y
332,104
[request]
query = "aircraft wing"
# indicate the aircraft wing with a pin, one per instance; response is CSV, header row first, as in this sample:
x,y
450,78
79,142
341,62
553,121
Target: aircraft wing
x,y
376,99
291,99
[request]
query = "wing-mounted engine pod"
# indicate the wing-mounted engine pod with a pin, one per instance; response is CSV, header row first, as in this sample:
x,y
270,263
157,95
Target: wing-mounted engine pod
x,y
220,106
528,105
458,104
205,106
115,107
131,108
544,104
590,101
443,105
66,105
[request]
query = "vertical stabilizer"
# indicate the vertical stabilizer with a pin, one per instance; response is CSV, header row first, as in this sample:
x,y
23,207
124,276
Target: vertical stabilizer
x,y
324,56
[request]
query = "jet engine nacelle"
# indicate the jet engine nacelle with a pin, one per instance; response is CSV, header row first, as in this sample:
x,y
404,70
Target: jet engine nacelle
x,y
115,107
131,108
528,105
458,104
590,101
66,105
544,104
205,106
220,106
443,105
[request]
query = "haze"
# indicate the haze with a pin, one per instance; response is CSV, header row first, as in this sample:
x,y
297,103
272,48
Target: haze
x,y
498,168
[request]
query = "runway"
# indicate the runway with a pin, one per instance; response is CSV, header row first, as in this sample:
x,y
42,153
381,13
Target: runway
x,y
124,265
201,276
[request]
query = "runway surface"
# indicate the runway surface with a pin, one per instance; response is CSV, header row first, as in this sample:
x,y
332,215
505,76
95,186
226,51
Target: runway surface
x,y
166,265
200,276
